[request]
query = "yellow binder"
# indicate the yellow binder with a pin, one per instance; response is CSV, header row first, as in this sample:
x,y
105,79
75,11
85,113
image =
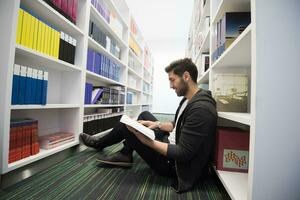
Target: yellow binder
x,y
20,24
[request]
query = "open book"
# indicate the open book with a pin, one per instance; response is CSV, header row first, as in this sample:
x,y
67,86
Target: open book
x,y
139,127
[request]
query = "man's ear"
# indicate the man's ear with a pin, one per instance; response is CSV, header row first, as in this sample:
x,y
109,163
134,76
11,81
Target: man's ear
x,y
186,76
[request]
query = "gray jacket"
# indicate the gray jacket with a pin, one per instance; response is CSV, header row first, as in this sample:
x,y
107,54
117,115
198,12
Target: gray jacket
x,y
195,138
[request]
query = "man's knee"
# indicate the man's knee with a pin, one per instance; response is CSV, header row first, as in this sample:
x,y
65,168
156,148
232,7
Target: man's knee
x,y
144,114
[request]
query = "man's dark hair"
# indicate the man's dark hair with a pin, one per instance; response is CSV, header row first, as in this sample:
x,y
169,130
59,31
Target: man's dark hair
x,y
180,66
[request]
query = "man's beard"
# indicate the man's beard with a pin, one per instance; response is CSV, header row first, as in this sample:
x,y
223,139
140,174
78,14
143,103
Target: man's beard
x,y
182,90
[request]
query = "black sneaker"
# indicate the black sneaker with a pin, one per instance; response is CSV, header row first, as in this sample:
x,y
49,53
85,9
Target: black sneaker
x,y
90,141
117,159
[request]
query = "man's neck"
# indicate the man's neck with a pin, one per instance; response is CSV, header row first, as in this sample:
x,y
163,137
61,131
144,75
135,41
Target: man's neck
x,y
193,89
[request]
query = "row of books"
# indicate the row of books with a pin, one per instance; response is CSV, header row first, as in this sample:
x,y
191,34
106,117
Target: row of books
x,y
67,8
67,48
131,98
133,64
232,149
102,8
104,95
104,113
132,81
53,140
105,41
203,64
231,92
102,65
23,139
29,86
33,32
98,35
227,29
146,87
99,125
133,45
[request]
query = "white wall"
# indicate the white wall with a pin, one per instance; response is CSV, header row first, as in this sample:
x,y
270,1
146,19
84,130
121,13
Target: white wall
x,y
276,166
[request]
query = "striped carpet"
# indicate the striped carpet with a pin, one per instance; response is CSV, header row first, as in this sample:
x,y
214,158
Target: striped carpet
x,y
81,177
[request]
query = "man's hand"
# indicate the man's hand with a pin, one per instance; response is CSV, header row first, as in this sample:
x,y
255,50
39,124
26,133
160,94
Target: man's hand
x,y
158,146
149,124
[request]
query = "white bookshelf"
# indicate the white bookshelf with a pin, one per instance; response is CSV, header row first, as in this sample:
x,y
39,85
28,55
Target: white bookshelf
x,y
65,108
235,183
273,132
47,106
243,118
24,54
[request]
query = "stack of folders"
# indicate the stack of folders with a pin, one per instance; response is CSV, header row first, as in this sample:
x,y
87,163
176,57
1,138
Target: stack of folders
x,y
68,8
55,139
102,9
33,32
102,65
29,86
23,139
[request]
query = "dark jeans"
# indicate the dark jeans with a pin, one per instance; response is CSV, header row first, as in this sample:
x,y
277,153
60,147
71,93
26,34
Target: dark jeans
x,y
159,163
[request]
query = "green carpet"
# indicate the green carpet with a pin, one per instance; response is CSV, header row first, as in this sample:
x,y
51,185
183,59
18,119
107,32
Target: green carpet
x,y
81,177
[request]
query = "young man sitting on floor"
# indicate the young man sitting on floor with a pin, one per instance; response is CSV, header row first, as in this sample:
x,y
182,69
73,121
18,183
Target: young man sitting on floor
x,y
183,148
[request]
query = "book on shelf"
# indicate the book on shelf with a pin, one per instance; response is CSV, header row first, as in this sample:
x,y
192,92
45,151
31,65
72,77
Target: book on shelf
x,y
139,127
231,92
53,140
23,139
33,32
227,29
29,86
67,8
232,149
98,122
102,65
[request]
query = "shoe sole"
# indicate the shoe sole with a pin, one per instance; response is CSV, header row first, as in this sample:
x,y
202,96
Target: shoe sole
x,y
121,164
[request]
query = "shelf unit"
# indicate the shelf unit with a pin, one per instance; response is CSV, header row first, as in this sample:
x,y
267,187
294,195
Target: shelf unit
x,y
253,53
65,108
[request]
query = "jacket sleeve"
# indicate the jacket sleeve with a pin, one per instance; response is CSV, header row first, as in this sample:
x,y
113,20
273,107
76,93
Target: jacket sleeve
x,y
194,133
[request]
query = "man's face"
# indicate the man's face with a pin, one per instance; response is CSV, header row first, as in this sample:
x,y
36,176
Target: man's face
x,y
178,84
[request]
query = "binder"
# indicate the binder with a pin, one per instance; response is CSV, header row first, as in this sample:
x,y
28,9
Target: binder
x,y
21,96
34,86
90,60
16,85
61,45
74,11
39,85
43,38
52,42
39,36
24,28
66,49
35,33
20,24
30,31
44,88
28,91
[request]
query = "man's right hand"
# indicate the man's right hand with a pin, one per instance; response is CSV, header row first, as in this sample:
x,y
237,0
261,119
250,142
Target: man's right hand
x,y
149,124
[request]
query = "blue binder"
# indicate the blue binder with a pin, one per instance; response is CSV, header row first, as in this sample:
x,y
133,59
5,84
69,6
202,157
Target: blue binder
x,y
16,85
